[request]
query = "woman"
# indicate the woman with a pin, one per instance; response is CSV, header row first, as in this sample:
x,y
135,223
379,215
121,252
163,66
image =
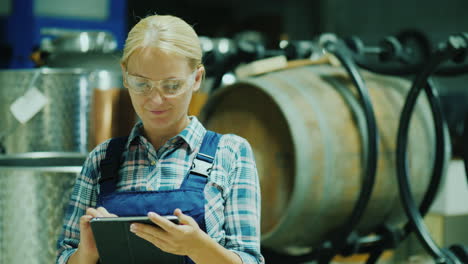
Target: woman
x,y
162,67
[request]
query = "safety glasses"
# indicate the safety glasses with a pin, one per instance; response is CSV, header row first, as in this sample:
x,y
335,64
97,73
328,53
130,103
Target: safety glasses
x,y
166,87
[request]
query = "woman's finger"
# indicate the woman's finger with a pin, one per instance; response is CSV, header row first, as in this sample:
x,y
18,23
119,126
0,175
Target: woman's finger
x,y
104,212
84,220
93,212
185,219
162,222
87,243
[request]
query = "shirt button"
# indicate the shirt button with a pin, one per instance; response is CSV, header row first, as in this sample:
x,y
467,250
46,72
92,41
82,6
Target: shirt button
x,y
153,163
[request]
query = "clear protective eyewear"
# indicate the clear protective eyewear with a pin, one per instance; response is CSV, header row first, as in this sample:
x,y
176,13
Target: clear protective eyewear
x,y
166,87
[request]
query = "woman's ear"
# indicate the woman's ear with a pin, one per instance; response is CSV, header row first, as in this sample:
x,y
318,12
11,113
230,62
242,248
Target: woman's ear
x,y
199,78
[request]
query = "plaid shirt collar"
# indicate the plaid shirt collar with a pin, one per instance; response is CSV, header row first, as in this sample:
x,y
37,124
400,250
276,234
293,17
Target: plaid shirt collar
x,y
192,135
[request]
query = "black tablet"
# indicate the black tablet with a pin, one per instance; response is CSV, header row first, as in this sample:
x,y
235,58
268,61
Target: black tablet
x,y
116,244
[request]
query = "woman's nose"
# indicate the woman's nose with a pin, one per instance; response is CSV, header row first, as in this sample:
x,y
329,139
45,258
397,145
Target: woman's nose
x,y
156,96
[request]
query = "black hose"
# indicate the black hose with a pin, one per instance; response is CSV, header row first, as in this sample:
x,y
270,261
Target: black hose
x,y
403,63
374,256
405,70
440,153
450,71
339,49
387,70
439,125
437,173
415,219
340,240
376,248
431,191
465,148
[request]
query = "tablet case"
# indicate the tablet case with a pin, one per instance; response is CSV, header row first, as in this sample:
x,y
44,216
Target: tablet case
x,y
116,244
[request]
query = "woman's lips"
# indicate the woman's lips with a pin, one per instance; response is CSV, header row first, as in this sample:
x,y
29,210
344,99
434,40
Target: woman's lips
x,y
159,112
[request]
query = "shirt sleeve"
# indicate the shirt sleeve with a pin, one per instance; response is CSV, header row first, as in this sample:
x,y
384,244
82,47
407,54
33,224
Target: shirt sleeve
x,y
84,195
242,210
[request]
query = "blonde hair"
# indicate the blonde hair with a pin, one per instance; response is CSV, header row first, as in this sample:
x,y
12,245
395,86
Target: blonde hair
x,y
167,33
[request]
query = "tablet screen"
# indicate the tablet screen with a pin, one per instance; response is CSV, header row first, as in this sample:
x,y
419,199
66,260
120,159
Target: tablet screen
x,y
116,244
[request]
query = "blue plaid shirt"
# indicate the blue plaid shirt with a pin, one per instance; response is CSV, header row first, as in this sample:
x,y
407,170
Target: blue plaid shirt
x,y
233,193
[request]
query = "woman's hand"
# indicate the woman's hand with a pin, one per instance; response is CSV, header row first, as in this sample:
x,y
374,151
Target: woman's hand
x,y
179,239
87,248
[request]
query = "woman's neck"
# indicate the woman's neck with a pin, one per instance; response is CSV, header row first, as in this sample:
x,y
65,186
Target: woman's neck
x,y
158,137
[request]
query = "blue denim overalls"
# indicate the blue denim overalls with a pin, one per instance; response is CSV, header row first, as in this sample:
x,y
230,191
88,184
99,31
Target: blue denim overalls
x,y
189,198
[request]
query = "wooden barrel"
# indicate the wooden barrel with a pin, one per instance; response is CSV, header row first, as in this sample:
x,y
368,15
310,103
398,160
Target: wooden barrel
x,y
112,114
197,102
308,134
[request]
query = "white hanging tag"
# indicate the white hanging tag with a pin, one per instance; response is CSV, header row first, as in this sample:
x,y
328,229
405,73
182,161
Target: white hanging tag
x,y
27,106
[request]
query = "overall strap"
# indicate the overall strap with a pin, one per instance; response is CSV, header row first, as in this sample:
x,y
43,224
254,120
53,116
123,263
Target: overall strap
x,y
203,162
110,165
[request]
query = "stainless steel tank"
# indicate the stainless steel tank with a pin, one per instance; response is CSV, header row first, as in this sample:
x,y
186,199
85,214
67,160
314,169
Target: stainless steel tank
x,y
62,48
81,104
35,189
